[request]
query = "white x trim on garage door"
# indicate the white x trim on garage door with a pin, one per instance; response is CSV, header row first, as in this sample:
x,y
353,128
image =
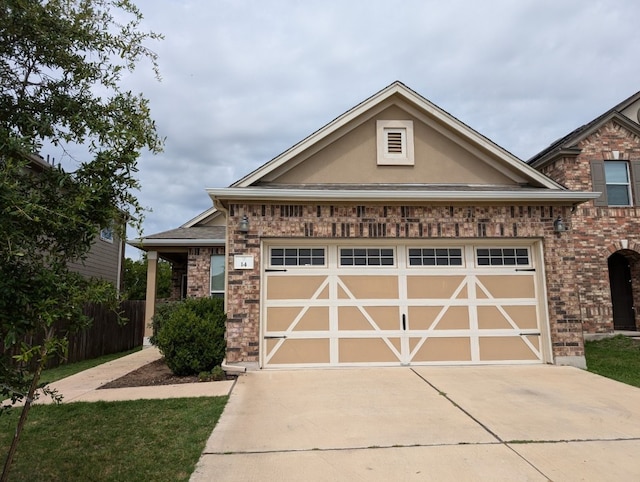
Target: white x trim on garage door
x,y
357,303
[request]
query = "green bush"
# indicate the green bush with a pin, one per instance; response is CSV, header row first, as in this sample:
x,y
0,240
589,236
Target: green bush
x,y
163,311
190,335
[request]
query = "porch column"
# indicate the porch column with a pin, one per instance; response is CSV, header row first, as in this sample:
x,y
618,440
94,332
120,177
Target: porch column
x,y
150,306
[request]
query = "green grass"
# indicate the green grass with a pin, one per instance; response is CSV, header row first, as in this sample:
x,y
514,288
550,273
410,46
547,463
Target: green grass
x,y
617,358
139,440
68,369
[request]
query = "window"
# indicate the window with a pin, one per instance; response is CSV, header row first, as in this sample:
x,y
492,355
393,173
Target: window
x,y
106,234
395,142
297,257
617,183
367,257
502,256
217,276
435,256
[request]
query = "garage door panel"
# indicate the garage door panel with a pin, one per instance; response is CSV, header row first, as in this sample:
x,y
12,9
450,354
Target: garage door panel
x,y
296,287
369,287
315,318
526,317
435,287
441,349
505,348
490,318
383,318
368,350
298,351
506,286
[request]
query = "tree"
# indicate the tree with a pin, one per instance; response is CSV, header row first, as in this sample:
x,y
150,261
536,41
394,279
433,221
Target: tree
x,y
61,69
135,279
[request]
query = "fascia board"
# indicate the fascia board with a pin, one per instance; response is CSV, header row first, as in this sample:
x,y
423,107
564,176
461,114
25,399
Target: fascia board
x,y
199,217
408,195
150,243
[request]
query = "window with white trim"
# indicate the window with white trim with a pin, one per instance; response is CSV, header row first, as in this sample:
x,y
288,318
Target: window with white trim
x,y
435,256
297,257
503,257
217,275
106,234
395,142
367,257
617,183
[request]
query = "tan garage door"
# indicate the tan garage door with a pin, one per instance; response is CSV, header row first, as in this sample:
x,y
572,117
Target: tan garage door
x,y
347,305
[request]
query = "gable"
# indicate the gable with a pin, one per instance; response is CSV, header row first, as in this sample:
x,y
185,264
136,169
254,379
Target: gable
x,y
440,157
397,95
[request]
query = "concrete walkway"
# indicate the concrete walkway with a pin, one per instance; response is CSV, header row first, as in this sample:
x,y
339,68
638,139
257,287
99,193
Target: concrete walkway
x,y
510,423
83,386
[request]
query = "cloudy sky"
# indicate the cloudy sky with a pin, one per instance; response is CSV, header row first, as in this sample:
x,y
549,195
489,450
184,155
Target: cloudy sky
x,y
244,80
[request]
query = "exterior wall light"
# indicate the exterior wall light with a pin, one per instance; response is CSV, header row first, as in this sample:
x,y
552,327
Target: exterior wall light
x,y
559,226
244,224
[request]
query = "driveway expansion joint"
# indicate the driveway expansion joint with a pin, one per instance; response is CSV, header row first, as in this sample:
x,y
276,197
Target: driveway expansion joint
x,y
347,449
444,394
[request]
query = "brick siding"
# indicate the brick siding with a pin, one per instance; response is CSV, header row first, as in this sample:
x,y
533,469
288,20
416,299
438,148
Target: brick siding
x,y
392,222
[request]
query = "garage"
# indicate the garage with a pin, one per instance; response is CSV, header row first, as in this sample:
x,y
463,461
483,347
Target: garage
x,y
362,303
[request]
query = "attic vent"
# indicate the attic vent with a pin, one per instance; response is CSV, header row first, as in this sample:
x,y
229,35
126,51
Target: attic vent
x,y
395,142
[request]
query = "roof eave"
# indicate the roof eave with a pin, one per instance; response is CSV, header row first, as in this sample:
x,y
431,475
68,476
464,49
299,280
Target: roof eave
x,y
144,243
256,194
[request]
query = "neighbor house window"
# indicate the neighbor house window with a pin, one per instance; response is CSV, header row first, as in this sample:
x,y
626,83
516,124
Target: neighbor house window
x,y
106,234
617,183
217,276
395,142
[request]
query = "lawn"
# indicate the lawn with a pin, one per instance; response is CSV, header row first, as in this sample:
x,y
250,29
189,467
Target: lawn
x,y
617,358
137,440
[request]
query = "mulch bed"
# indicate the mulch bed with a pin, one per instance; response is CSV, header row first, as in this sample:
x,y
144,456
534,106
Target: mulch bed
x,y
154,373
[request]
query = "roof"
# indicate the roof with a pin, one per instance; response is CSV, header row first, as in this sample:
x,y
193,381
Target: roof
x,y
568,143
196,235
420,104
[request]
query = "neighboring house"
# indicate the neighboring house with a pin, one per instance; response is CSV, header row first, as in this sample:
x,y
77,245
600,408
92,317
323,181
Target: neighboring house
x,y
105,259
603,156
394,235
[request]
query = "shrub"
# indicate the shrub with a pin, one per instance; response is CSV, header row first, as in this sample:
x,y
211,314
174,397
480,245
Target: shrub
x,y
163,311
191,335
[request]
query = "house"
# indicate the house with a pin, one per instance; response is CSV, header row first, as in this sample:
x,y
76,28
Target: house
x,y
394,235
603,156
105,259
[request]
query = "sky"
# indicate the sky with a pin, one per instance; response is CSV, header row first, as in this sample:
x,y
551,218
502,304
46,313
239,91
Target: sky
x,y
242,81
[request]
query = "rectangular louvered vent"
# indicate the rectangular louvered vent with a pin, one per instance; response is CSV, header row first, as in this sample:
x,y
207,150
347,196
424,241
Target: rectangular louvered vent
x,y
394,142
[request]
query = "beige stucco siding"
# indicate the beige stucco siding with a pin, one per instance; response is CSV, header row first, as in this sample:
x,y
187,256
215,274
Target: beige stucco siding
x,y
352,159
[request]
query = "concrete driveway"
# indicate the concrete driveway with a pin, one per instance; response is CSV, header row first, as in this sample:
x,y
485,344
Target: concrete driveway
x,y
489,423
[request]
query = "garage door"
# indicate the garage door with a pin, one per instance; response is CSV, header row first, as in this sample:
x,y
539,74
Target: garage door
x,y
351,305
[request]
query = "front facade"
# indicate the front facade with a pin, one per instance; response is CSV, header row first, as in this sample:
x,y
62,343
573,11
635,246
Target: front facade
x,y
604,156
395,235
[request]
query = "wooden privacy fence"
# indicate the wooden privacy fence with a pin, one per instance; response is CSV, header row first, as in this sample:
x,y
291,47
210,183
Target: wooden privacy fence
x,y
105,335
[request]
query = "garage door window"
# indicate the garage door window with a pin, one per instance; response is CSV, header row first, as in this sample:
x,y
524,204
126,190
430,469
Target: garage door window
x,y
367,257
502,256
435,256
298,257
